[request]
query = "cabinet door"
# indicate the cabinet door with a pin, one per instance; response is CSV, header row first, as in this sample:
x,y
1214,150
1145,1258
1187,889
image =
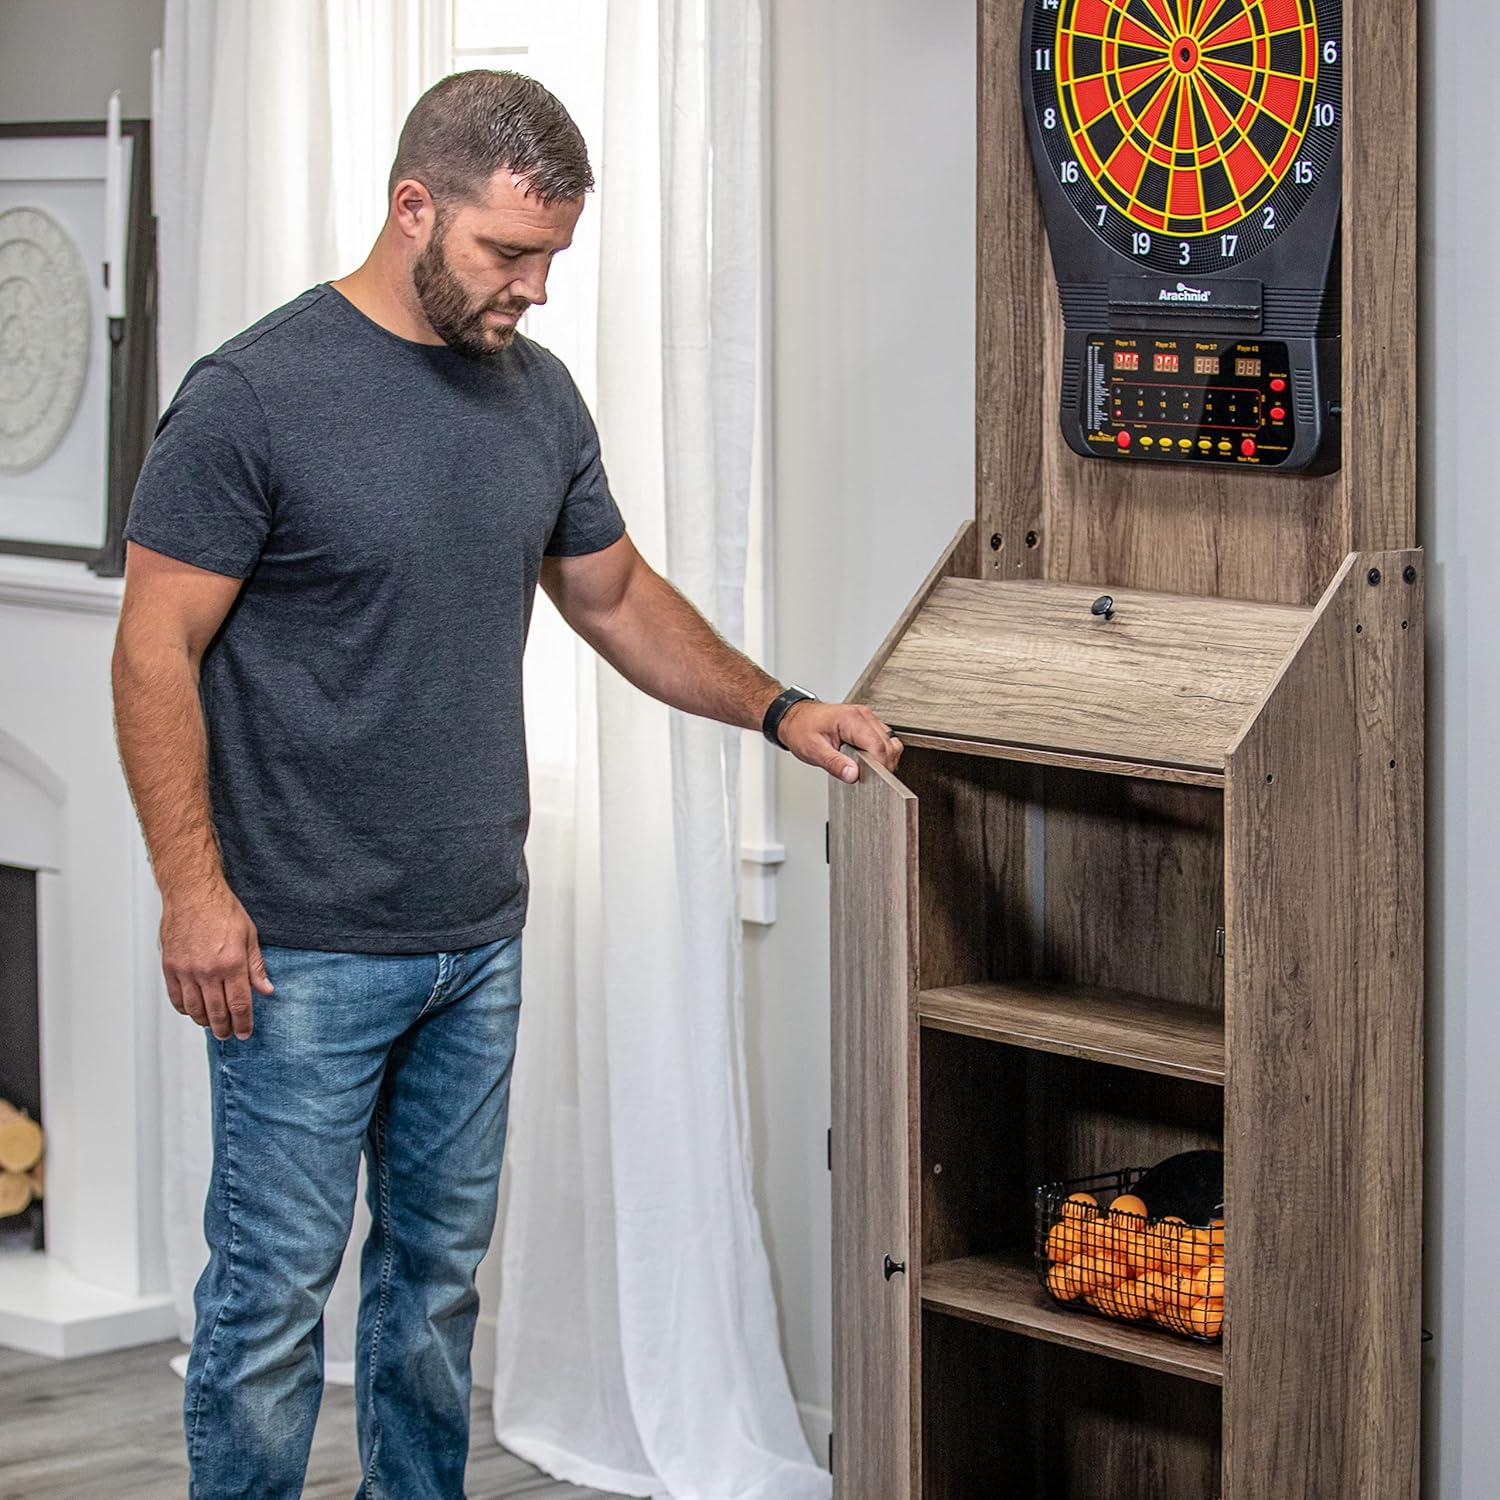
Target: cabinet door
x,y
876,1308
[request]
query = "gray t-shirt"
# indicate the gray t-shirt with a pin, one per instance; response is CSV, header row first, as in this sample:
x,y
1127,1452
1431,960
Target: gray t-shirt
x,y
388,504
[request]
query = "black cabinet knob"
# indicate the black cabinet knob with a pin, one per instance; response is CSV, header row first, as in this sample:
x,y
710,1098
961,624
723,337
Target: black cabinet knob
x,y
1103,605
892,1266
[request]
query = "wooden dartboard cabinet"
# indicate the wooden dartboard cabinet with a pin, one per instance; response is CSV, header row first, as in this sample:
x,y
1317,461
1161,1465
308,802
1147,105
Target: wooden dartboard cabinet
x,y
1142,883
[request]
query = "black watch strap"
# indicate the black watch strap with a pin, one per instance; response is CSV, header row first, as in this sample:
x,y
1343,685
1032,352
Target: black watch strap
x,y
770,726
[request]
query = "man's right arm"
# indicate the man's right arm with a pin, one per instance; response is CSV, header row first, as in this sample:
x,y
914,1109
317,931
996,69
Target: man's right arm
x,y
211,956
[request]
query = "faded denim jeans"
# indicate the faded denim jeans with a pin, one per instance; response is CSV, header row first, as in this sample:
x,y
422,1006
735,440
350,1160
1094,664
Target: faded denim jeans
x,y
406,1058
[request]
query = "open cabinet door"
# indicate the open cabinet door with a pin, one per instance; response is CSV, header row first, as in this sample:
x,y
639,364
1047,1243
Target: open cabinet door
x,y
876,1306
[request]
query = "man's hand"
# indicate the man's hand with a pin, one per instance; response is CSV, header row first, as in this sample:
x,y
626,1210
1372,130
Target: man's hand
x,y
210,957
814,731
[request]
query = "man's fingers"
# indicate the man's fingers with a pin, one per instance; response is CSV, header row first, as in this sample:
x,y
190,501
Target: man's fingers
x,y
258,976
217,1007
174,992
192,1000
241,1006
874,737
836,763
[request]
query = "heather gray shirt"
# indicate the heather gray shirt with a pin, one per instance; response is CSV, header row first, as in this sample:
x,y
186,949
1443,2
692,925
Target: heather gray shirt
x,y
388,505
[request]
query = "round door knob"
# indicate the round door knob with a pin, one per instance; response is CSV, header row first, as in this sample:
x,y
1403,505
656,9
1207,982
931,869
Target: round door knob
x,y
1103,605
892,1266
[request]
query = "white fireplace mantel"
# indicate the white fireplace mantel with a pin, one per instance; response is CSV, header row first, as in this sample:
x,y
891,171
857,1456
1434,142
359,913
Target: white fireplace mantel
x,y
65,812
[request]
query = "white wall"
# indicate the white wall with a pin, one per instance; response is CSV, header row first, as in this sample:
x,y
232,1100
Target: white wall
x,y
60,59
1459,525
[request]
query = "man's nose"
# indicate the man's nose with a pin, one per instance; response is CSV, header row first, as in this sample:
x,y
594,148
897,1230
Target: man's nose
x,y
533,287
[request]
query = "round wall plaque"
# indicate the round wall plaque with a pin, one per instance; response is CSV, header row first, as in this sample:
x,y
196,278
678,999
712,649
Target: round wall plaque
x,y
45,322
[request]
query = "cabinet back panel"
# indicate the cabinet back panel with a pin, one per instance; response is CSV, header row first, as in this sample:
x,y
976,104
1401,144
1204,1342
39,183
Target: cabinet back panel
x,y
1001,1120
1005,1415
1134,886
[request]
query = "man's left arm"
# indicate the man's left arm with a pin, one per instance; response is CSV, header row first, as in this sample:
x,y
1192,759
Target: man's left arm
x,y
657,640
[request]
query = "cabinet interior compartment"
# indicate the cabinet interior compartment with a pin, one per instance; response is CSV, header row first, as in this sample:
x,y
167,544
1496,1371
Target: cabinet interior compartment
x,y
997,1121
1013,1416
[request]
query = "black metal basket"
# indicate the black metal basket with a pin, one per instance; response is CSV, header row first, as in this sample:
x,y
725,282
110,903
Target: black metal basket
x,y
1125,1265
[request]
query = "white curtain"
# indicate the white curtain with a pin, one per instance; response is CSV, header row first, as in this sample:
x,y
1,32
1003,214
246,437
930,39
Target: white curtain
x,y
637,1347
279,120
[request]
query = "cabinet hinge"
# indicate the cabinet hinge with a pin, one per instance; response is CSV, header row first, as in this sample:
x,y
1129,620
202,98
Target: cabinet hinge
x,y
827,844
830,1148
1218,942
830,1450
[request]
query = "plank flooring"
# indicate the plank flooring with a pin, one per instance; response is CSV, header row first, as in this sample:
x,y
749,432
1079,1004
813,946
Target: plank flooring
x,y
110,1428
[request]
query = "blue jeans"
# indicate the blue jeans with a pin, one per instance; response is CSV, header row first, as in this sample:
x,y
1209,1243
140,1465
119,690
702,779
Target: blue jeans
x,y
406,1058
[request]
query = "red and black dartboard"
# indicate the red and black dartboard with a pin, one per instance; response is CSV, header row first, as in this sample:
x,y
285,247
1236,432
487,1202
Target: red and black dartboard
x,y
1187,134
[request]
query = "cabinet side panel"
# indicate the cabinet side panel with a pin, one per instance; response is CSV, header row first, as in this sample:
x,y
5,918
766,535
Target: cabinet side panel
x,y
1324,1057
1014,270
1380,283
872,852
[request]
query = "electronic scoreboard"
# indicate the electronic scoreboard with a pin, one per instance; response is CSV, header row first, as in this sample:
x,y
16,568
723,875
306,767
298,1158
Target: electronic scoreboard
x,y
1187,154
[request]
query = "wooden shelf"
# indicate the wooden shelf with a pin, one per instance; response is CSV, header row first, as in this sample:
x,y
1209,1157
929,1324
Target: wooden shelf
x,y
1129,1031
1003,1292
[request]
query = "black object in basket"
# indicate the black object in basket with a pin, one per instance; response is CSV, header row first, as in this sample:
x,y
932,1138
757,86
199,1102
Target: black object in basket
x,y
1098,1250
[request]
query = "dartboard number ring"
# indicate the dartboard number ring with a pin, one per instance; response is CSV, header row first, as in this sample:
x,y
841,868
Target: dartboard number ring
x,y
1187,134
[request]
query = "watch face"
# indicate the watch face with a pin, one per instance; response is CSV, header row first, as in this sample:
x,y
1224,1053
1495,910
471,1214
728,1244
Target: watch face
x,y
1187,134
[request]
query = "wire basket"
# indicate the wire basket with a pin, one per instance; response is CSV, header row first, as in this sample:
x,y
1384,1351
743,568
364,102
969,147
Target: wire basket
x,y
1118,1262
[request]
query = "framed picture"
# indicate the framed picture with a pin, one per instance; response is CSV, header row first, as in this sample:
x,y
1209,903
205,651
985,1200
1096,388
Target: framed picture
x,y
78,388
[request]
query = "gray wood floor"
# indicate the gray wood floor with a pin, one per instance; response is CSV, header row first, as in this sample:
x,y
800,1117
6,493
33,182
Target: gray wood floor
x,y
110,1428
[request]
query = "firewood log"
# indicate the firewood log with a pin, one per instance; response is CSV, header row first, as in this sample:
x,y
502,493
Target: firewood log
x,y
21,1142
15,1193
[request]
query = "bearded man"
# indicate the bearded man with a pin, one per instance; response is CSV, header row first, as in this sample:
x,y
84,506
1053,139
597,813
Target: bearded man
x,y
332,553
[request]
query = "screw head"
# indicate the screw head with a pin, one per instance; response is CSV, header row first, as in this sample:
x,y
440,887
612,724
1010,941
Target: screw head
x,y
1409,573
995,542
1031,539
1373,575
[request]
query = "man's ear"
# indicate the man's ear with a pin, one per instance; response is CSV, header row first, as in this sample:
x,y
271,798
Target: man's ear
x,y
412,207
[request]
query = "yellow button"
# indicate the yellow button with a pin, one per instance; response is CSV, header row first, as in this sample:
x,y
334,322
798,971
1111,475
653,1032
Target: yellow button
x,y
1184,443
1205,444
1226,447
1148,442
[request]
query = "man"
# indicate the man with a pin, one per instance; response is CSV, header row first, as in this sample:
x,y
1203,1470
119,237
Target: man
x,y
332,554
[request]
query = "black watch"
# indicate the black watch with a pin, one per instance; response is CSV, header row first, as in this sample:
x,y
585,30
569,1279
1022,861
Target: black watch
x,y
777,712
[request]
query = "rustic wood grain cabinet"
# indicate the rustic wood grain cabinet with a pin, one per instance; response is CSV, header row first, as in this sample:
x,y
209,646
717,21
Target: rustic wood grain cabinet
x,y
1144,882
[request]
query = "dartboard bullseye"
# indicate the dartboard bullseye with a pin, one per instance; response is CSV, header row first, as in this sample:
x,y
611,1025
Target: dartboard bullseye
x,y
1189,160
1188,134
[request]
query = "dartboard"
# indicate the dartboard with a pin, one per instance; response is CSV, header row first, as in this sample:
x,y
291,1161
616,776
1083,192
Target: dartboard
x,y
1187,134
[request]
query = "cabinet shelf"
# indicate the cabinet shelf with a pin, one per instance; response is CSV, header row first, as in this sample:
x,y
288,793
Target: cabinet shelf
x,y
1002,1291
1131,1031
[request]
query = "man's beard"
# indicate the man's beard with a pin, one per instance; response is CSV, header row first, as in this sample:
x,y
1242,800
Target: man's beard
x,y
454,317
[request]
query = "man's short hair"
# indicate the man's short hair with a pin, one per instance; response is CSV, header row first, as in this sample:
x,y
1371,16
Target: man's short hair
x,y
468,126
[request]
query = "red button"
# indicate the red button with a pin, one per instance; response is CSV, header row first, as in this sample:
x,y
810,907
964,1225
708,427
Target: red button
x,y
1248,447
1278,385
1123,440
1278,414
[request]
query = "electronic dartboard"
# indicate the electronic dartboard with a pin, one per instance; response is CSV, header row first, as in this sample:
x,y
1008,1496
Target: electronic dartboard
x,y
1188,158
